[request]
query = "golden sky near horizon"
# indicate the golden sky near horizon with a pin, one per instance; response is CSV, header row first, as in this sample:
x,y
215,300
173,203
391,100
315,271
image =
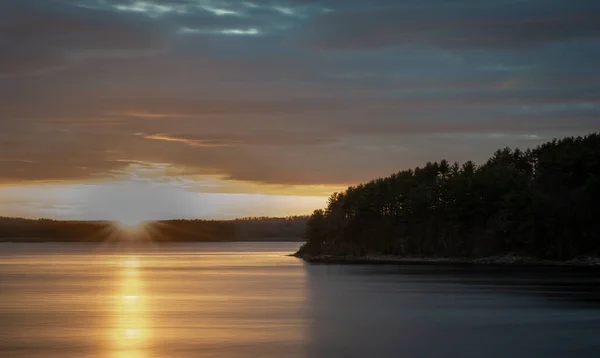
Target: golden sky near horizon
x,y
148,192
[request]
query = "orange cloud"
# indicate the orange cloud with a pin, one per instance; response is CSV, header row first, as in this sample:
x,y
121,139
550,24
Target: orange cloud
x,y
192,142
149,115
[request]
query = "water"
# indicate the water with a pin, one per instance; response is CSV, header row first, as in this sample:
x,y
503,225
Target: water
x,y
250,300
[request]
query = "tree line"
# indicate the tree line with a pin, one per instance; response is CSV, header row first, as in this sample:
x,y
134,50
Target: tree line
x,y
247,229
540,202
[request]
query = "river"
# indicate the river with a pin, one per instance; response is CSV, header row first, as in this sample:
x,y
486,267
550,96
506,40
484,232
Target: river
x,y
251,300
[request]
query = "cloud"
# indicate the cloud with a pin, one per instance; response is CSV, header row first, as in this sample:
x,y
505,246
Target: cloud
x,y
38,36
458,25
110,109
264,138
192,142
422,81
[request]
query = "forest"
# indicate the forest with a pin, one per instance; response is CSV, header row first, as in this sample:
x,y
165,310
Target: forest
x,y
540,203
246,229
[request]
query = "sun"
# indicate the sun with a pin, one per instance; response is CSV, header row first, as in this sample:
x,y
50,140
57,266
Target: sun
x,y
130,224
130,221
128,231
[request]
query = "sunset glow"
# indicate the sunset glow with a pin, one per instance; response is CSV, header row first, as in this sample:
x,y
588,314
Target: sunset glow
x,y
299,178
128,203
145,110
131,226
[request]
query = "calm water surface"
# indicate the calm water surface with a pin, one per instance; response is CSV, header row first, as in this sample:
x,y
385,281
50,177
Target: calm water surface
x,y
250,300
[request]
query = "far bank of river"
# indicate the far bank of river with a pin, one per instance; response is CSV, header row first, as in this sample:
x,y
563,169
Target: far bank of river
x,y
504,260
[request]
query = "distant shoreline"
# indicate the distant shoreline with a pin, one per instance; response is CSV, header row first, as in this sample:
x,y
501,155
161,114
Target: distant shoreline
x,y
58,241
505,260
289,228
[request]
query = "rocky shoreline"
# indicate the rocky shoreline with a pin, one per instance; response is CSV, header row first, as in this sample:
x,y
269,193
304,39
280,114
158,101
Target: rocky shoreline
x,y
504,260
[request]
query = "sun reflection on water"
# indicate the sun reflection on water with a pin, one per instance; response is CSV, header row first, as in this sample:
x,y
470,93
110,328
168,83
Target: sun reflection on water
x,y
129,263
131,333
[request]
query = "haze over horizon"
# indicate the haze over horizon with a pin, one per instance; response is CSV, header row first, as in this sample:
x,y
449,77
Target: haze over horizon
x,y
220,109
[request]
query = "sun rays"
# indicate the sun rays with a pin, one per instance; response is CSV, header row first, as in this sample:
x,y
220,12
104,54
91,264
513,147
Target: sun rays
x,y
124,236
132,229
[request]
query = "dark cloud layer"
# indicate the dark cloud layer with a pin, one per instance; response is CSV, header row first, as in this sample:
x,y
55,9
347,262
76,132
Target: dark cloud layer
x,y
516,25
289,91
45,35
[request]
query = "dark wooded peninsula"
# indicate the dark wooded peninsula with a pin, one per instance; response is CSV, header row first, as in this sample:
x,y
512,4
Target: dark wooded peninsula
x,y
540,203
246,229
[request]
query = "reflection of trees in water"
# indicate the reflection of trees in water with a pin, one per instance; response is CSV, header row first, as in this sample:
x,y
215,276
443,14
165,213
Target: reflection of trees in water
x,y
426,311
348,319
567,284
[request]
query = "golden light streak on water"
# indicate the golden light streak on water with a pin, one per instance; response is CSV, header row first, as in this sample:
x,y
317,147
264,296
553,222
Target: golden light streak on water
x,y
131,331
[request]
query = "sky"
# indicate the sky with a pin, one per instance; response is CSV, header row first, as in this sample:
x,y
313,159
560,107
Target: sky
x,y
219,109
